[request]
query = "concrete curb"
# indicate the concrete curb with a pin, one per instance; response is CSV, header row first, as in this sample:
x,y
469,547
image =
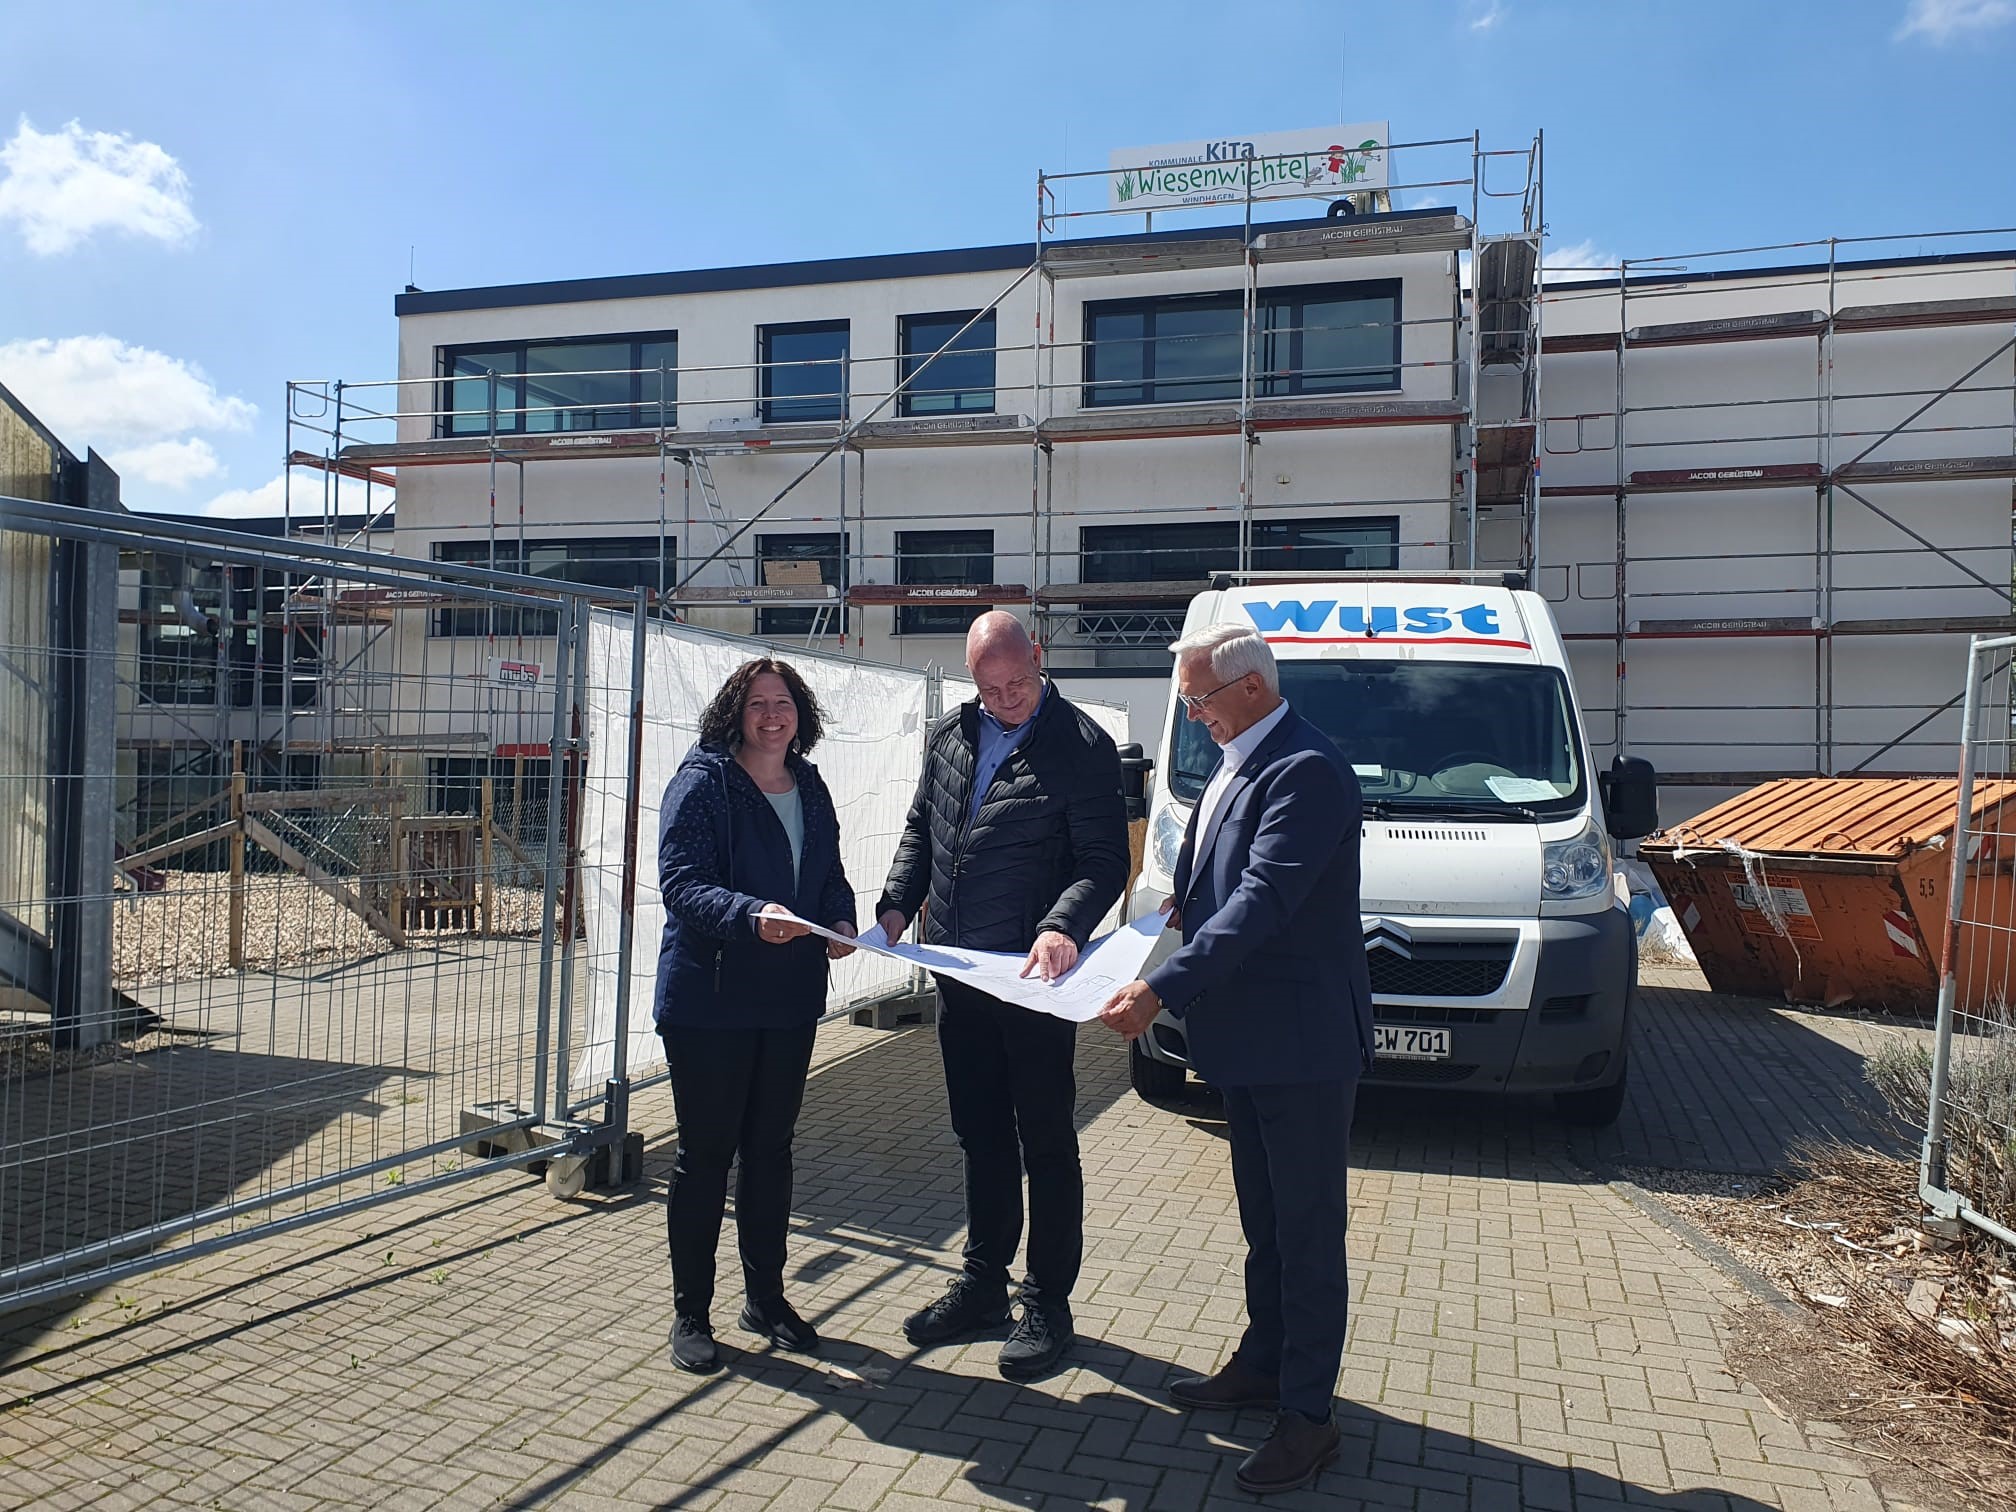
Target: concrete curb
x,y
1760,1286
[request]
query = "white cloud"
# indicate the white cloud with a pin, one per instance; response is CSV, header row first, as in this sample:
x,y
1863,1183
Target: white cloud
x,y
1493,14
1943,21
1578,257
170,464
304,494
98,391
60,188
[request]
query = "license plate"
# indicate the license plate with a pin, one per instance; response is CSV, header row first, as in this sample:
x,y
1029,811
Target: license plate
x,y
1400,1042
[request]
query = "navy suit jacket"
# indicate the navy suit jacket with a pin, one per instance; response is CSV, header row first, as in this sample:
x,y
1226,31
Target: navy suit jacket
x,y
1271,981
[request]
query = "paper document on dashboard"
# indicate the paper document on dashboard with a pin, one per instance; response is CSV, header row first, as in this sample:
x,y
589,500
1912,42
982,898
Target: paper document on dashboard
x,y
1107,964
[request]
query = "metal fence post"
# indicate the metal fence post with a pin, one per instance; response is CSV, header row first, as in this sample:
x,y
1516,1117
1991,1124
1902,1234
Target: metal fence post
x,y
617,1116
555,752
1932,1162
572,903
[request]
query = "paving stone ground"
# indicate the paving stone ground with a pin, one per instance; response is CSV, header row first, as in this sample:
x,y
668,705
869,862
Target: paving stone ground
x,y
1522,1336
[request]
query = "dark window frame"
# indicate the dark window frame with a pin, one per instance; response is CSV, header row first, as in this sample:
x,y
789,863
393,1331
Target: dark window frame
x,y
790,622
939,619
910,359
769,404
1100,393
639,412
475,619
1200,559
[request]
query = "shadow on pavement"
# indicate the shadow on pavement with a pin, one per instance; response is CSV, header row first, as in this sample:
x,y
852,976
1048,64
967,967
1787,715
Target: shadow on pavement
x,y
1718,1084
1116,1446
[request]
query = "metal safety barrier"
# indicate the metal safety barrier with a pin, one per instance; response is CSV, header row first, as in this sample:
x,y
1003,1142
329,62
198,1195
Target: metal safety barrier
x,y
1968,1166
292,906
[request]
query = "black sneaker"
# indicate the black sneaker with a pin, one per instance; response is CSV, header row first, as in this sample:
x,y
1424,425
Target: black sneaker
x,y
778,1322
968,1306
1038,1342
693,1346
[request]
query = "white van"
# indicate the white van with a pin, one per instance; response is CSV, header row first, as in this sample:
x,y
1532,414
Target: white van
x,y
1502,958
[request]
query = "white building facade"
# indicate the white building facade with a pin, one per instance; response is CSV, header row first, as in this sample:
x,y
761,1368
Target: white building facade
x,y
1767,504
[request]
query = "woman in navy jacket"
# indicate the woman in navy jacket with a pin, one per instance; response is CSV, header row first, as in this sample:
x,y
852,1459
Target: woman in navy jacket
x,y
747,837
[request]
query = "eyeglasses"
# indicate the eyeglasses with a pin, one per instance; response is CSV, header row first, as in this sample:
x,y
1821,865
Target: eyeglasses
x,y
1192,702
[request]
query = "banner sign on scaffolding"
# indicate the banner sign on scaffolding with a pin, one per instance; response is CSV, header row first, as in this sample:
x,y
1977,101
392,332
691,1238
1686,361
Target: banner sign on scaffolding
x,y
1281,165
514,674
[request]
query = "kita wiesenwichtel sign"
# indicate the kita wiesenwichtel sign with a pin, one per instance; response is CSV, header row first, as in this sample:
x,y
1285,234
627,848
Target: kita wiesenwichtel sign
x,y
1278,163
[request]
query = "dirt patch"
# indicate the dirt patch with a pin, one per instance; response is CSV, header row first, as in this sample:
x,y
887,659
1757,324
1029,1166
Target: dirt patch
x,y
1908,1351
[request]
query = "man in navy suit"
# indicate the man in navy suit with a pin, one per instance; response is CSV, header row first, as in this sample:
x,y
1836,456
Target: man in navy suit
x,y
1272,988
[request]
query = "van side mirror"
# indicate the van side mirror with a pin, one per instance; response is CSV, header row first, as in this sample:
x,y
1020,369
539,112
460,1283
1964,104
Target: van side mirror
x,y
1134,770
1630,798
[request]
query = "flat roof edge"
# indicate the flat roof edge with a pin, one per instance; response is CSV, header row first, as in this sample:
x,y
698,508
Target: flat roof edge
x,y
1000,257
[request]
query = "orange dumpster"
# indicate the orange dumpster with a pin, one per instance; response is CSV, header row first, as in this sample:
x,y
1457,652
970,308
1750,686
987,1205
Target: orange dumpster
x,y
1832,891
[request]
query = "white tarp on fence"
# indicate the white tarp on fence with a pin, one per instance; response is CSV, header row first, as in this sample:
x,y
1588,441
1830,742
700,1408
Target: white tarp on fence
x,y
870,756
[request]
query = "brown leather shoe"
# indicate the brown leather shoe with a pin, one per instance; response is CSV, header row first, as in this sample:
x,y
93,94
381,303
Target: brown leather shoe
x,y
1293,1455
1236,1385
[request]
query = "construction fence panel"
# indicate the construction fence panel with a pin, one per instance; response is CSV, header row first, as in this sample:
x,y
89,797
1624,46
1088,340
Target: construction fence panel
x,y
869,757
1968,1168
334,891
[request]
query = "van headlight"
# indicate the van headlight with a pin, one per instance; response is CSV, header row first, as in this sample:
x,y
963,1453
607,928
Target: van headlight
x,y
1165,840
1578,867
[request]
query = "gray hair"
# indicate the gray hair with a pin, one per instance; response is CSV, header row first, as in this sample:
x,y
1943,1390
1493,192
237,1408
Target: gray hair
x,y
1234,650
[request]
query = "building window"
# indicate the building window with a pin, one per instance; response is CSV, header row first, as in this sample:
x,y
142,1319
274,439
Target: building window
x,y
579,384
1335,339
804,372
1189,553
622,563
1357,545
803,561
928,557
961,382
188,605
1150,554
1184,349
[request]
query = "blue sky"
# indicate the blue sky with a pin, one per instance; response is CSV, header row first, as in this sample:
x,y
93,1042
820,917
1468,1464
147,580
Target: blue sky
x,y
236,200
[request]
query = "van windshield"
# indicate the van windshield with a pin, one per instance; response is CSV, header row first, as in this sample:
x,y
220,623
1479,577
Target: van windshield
x,y
1425,735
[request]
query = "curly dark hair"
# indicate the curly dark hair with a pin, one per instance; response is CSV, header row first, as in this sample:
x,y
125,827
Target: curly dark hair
x,y
721,724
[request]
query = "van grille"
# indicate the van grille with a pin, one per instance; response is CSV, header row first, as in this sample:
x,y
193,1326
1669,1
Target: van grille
x,y
1439,970
1396,832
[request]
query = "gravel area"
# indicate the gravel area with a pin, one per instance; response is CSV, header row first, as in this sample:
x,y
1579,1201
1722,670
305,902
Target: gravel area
x,y
182,932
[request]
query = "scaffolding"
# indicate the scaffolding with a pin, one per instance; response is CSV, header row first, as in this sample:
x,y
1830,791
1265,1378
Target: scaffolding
x,y
1606,477
1955,423
1491,474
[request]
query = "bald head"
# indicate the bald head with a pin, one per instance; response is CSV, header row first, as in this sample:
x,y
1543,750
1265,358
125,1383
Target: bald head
x,y
1005,665
995,632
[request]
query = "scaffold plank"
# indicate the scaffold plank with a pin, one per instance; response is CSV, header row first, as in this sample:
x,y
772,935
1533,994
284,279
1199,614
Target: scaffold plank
x,y
863,595
1569,342
1268,415
1373,236
1148,593
1927,469
1919,313
1773,327
1707,479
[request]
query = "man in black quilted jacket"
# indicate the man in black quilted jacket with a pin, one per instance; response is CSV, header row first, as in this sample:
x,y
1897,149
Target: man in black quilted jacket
x,y
1016,842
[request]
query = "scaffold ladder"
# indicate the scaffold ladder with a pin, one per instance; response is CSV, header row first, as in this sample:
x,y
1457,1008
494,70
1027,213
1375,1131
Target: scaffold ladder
x,y
717,516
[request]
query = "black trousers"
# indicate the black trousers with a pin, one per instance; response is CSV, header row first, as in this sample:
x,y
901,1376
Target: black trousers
x,y
737,1093
1009,1079
1290,1146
